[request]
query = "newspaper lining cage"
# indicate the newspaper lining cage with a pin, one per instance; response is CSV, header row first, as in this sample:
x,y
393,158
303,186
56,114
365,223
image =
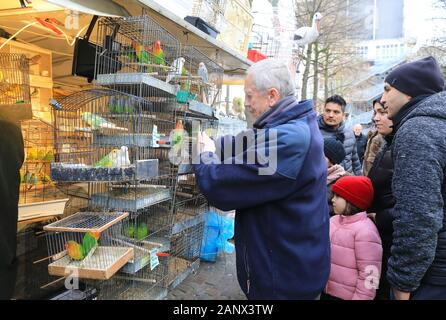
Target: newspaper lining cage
x,y
15,97
85,245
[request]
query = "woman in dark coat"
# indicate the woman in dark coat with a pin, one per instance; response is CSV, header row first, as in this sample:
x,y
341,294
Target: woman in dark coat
x,y
11,160
381,175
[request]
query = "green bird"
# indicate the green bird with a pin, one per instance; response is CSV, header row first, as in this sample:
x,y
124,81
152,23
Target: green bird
x,y
141,232
89,243
108,160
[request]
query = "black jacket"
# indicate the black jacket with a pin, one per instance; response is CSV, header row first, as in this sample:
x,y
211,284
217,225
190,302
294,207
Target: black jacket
x,y
381,175
11,160
361,143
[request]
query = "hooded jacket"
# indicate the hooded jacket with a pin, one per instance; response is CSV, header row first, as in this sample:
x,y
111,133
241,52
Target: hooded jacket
x,y
351,162
281,222
418,252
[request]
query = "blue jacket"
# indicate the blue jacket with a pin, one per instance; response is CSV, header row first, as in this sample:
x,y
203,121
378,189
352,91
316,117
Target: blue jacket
x,y
282,222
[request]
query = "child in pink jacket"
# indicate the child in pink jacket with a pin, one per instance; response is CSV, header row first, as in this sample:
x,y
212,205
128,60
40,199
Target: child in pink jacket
x,y
356,250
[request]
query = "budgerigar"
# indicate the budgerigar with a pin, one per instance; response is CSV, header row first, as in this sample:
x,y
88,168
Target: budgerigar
x,y
177,65
158,54
109,160
122,159
96,122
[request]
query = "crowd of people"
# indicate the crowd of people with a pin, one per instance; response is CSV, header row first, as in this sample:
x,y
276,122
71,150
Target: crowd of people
x,y
346,215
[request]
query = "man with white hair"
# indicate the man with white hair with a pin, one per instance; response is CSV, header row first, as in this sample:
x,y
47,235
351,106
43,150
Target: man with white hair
x,y
281,223
361,141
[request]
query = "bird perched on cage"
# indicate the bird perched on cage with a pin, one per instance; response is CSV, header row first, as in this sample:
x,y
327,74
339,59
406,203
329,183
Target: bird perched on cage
x,y
122,159
109,160
158,54
177,66
141,54
96,122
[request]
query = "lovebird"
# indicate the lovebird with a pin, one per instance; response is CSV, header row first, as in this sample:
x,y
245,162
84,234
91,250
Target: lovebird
x,y
109,160
141,232
74,250
141,53
158,54
89,243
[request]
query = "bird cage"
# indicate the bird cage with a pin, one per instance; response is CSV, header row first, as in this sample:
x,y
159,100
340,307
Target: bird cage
x,y
86,245
36,184
15,98
187,236
200,80
135,55
104,135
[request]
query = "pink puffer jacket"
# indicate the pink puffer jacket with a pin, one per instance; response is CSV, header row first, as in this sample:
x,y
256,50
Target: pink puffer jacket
x,y
356,255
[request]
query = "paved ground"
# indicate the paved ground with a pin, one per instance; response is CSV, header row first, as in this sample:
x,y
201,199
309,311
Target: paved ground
x,y
212,281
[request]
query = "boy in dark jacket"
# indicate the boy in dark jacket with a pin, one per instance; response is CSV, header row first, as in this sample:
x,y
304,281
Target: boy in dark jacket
x,y
281,222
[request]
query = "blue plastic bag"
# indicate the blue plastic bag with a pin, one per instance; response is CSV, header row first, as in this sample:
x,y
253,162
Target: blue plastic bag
x,y
217,231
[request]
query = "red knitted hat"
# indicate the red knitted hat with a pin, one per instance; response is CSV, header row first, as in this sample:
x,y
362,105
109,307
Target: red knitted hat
x,y
356,190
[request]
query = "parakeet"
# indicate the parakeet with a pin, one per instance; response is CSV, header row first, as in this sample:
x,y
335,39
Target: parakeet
x,y
41,154
48,156
111,104
130,231
141,231
122,158
178,66
96,122
89,243
109,160
32,154
158,54
203,72
74,250
27,177
141,53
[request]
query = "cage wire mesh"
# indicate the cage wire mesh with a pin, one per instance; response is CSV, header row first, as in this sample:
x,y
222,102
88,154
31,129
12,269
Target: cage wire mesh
x,y
15,97
14,79
135,55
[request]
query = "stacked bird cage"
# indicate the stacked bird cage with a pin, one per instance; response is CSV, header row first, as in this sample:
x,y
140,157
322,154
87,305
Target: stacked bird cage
x,y
15,98
134,58
85,245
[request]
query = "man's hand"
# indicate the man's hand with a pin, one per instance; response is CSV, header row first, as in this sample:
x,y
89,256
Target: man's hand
x,y
400,295
204,143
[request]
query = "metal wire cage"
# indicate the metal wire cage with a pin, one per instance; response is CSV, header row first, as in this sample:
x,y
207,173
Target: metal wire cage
x,y
95,126
86,245
15,97
200,77
135,55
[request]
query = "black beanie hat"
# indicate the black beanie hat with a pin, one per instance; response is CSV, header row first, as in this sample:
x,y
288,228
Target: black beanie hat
x,y
334,150
417,78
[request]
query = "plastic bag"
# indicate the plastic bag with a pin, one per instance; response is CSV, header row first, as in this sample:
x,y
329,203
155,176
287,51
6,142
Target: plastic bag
x,y
217,231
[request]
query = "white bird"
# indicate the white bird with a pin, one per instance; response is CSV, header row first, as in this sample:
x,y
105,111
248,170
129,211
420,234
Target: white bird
x,y
307,35
177,65
203,72
122,159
